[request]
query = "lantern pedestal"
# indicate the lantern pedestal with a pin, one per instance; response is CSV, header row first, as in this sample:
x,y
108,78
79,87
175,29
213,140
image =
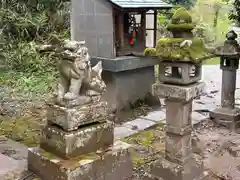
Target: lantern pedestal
x,y
179,85
179,162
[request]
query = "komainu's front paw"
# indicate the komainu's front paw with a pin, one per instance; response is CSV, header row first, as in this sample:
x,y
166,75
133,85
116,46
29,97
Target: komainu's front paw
x,y
70,96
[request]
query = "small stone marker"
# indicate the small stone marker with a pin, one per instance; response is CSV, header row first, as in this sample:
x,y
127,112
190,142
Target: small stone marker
x,y
228,115
78,140
179,86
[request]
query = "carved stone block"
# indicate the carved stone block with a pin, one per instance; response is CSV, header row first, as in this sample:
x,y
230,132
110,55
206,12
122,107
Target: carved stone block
x,y
114,164
179,73
181,93
178,117
178,148
166,170
84,140
71,118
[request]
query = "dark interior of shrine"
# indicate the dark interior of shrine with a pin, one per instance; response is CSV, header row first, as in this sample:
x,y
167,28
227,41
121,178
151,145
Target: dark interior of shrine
x,y
130,32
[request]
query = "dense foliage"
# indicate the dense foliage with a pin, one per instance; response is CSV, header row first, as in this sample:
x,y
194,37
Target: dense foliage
x,y
185,3
235,13
27,23
210,16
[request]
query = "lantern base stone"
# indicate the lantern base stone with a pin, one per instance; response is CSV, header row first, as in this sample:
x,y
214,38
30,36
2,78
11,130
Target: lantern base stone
x,y
162,169
229,118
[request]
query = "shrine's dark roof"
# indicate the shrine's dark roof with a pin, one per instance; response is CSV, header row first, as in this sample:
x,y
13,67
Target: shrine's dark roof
x,y
141,3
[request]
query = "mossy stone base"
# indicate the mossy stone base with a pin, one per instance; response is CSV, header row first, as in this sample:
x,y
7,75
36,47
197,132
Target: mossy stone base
x,y
84,140
71,118
163,169
114,164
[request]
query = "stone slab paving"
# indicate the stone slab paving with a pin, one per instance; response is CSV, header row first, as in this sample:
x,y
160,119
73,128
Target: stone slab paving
x,y
13,155
212,76
7,164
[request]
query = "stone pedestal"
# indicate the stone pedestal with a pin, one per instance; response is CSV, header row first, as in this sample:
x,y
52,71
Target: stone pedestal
x,y
77,143
128,80
163,169
72,118
227,115
114,164
179,163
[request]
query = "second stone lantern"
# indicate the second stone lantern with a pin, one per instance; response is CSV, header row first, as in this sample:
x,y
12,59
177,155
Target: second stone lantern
x,y
179,75
228,115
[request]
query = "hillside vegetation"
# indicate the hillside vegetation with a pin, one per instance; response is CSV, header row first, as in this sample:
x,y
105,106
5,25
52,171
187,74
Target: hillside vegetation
x,y
25,24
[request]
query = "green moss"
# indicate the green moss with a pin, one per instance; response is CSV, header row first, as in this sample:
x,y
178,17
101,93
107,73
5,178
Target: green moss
x,y
146,138
48,155
150,52
149,141
169,49
137,160
25,130
75,162
184,26
181,14
181,20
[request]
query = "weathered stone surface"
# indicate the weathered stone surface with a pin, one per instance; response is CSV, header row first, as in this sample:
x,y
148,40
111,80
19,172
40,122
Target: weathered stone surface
x,y
178,148
197,118
226,117
179,73
8,165
125,63
128,79
114,164
166,170
139,124
123,131
126,87
235,151
182,93
178,117
71,118
228,88
84,140
157,116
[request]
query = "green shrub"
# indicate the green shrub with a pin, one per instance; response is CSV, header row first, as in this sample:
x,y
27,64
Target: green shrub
x,y
27,24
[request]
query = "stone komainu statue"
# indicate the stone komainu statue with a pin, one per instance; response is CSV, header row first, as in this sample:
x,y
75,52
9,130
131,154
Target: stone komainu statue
x,y
78,80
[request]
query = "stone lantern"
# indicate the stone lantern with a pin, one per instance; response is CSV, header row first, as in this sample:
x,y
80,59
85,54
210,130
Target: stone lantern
x,y
179,75
227,115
